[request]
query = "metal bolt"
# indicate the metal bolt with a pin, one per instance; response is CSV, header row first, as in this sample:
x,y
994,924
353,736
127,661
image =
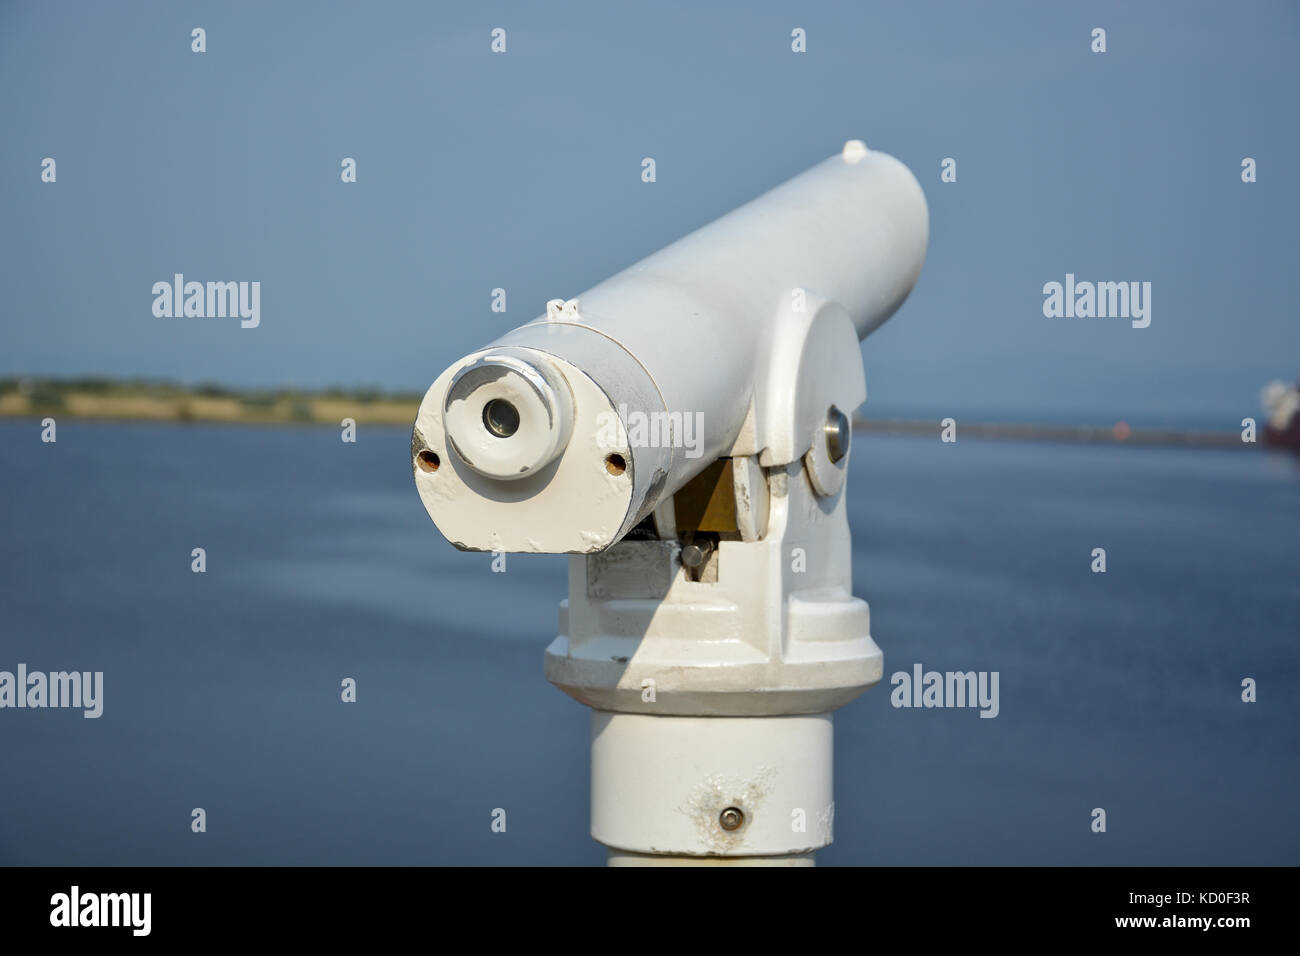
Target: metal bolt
x,y
838,434
731,818
695,554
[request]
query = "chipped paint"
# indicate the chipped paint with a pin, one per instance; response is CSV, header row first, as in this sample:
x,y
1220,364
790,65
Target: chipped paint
x,y
826,824
718,792
418,444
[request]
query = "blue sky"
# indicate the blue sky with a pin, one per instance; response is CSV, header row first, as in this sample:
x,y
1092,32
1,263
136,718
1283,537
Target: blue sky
x,y
522,171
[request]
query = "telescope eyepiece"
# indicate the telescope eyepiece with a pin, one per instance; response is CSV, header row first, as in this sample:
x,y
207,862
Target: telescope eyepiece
x,y
508,415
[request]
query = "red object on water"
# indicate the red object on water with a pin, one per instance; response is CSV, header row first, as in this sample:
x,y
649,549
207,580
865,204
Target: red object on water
x,y
1122,431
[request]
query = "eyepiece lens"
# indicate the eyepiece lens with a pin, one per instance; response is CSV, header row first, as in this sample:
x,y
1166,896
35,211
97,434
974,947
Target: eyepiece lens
x,y
500,418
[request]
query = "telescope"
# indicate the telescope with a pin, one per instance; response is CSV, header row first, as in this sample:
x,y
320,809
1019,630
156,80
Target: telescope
x,y
682,430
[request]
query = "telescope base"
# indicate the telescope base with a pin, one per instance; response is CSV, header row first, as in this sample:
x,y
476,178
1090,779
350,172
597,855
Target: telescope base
x,y
715,789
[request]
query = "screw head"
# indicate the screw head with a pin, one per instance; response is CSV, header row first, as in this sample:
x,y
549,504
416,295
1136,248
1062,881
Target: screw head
x,y
694,555
731,819
839,432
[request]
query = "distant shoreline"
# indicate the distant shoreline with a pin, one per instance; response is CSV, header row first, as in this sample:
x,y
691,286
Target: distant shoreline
x,y
1117,434
108,400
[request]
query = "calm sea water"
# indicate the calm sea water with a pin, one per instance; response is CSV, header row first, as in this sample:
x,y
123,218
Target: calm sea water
x,y
1119,691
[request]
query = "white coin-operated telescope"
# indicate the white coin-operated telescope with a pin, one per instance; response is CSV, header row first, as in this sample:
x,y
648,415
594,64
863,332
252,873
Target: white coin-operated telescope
x,y
683,431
